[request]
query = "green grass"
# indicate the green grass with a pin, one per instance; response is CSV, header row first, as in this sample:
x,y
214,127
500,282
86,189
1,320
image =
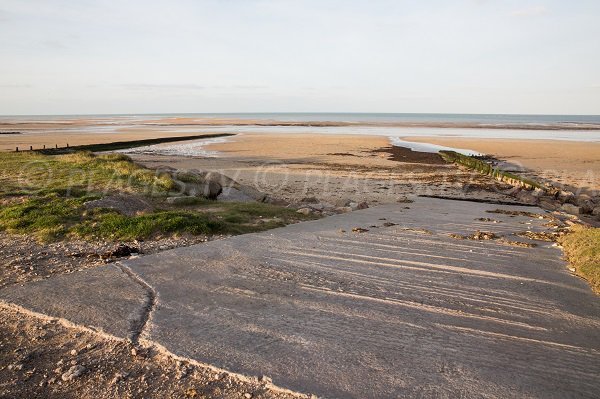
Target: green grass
x,y
582,250
222,218
35,173
44,196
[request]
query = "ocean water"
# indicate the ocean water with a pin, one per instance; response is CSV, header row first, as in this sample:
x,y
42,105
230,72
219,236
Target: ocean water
x,y
481,119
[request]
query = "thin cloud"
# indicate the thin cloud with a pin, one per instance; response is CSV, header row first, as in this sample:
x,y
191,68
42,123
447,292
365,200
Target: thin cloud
x,y
535,11
14,86
151,86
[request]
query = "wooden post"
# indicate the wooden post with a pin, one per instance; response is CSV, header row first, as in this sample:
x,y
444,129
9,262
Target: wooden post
x,y
67,145
44,146
17,149
30,148
56,145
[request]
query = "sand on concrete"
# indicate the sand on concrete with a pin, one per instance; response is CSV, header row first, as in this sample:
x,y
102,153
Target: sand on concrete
x,y
573,164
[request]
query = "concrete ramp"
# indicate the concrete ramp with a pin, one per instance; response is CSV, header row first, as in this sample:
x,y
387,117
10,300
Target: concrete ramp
x,y
395,308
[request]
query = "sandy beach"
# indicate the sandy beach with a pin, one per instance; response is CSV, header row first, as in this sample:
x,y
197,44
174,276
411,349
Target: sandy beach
x,y
574,165
332,168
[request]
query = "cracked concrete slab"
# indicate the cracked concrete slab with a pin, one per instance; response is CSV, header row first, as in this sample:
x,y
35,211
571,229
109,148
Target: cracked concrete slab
x,y
402,309
104,298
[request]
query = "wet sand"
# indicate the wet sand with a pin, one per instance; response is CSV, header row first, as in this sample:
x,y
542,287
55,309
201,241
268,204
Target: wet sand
x,y
333,169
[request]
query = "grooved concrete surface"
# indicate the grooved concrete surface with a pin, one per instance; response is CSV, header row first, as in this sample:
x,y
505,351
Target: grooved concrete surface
x,y
396,311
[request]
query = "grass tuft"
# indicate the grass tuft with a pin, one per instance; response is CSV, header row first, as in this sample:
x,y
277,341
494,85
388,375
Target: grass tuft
x,y
44,196
582,250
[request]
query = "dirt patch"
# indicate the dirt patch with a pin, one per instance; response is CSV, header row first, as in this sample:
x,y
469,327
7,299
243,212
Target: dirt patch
x,y
42,357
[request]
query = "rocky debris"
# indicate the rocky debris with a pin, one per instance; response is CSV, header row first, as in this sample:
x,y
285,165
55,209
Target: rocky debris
x,y
121,251
360,205
571,209
306,211
520,213
552,198
129,205
359,230
231,194
521,244
482,235
477,235
214,185
209,190
541,236
73,373
389,224
488,220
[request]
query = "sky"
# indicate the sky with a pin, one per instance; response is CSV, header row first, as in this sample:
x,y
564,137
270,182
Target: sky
x,y
182,56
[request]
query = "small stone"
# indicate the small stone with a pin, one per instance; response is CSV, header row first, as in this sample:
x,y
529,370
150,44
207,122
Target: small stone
x,y
73,352
362,205
572,209
247,395
119,376
265,379
134,352
305,211
73,372
343,209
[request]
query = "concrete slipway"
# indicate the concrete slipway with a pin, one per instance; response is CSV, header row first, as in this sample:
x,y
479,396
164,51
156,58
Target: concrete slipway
x,y
400,310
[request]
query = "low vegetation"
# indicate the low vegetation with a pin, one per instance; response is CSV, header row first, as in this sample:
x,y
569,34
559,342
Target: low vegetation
x,y
44,196
582,250
482,167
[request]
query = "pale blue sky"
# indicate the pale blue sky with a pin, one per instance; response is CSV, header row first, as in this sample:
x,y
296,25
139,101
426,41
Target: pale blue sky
x,y
469,56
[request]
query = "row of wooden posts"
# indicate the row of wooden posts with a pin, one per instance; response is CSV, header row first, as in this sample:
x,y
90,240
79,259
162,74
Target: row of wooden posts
x,y
43,148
